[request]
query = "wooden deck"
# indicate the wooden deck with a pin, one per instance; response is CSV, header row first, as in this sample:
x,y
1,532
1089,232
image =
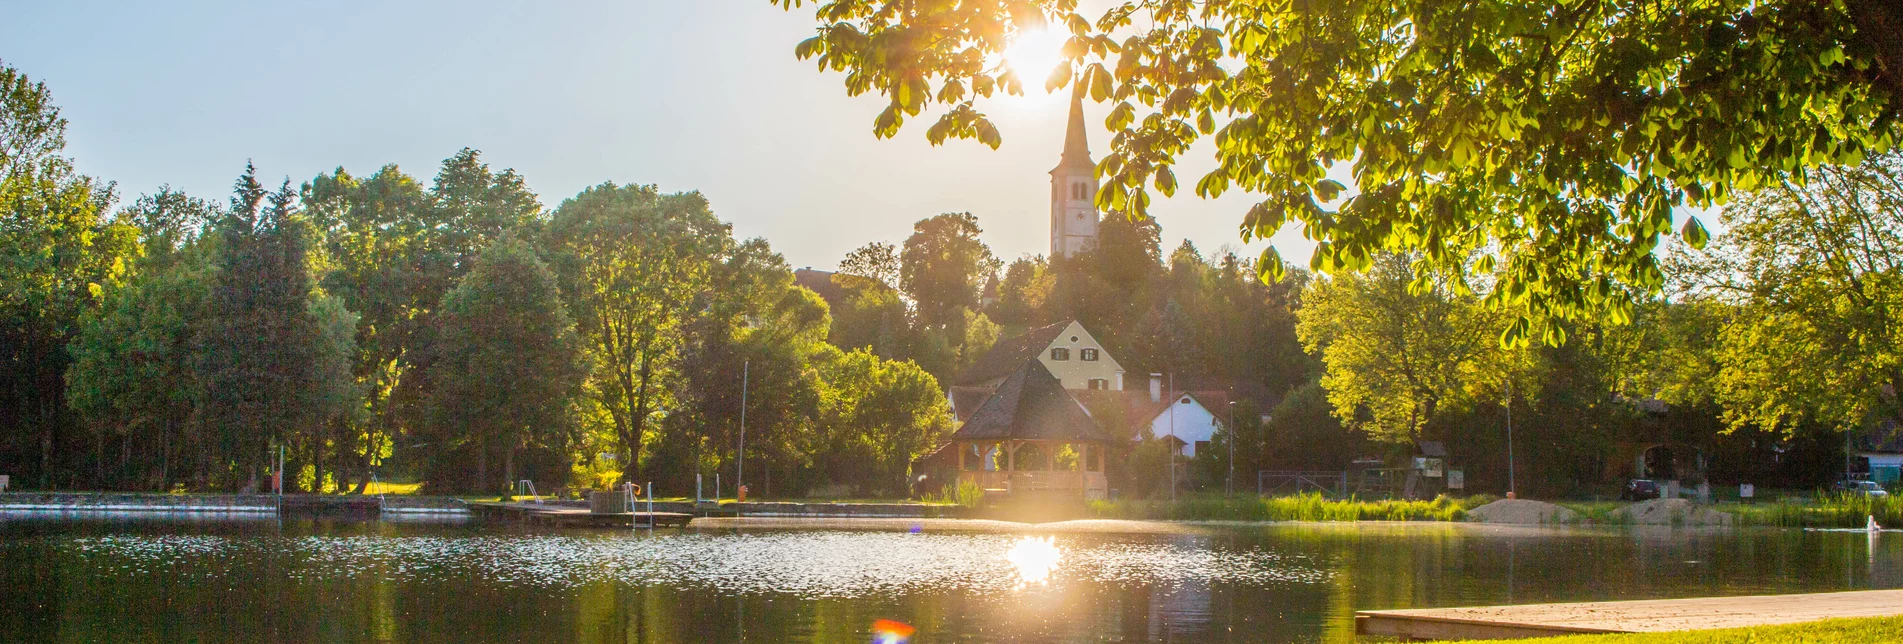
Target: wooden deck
x,y
1656,615
579,517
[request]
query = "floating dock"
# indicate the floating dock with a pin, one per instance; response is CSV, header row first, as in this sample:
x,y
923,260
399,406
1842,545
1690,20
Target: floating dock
x,y
561,515
1643,616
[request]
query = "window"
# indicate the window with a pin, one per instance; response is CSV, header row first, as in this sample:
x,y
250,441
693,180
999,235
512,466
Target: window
x,y
1184,401
1098,384
1089,355
1060,354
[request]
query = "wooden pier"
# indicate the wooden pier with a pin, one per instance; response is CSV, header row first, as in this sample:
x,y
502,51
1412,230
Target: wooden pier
x,y
569,516
1653,615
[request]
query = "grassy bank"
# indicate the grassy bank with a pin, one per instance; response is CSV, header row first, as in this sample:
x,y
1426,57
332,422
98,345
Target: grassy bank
x,y
1305,507
1836,510
1868,630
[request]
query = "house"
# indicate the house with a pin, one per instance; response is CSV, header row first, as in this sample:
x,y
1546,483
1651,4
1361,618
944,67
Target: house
x,y
1191,418
1066,349
1881,450
1028,435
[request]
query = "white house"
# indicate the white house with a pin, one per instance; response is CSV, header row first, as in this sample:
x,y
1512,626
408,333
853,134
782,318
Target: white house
x,y
1192,417
1066,349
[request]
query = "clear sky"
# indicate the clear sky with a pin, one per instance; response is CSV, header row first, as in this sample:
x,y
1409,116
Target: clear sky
x,y
690,95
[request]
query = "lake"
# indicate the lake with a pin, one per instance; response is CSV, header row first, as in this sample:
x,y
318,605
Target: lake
x,y
219,578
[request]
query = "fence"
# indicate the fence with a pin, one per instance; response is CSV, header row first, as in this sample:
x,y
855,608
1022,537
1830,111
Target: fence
x,y
1277,483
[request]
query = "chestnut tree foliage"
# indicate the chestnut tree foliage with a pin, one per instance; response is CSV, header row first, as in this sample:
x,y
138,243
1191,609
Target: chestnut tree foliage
x,y
1560,141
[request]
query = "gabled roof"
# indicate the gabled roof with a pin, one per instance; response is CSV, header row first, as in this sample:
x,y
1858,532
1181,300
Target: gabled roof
x,y
1031,405
1008,355
966,400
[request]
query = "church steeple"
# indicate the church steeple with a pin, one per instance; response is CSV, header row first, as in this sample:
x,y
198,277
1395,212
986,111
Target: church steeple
x,y
1074,187
1076,146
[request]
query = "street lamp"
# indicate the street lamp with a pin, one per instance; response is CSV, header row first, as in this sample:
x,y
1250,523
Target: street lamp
x,y
1229,487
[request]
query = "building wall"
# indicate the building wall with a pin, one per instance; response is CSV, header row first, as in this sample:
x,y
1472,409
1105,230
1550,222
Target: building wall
x,y
1193,423
1076,372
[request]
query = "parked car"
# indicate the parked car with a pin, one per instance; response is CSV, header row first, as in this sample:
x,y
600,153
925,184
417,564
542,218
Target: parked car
x,y
1639,490
1864,488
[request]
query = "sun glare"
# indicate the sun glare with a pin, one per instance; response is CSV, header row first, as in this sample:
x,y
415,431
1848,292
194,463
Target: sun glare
x,y
1035,558
1033,55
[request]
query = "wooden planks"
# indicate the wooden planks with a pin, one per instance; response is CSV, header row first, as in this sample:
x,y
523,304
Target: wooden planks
x,y
1653,615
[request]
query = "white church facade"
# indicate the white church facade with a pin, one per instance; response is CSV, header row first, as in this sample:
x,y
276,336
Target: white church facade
x,y
1074,218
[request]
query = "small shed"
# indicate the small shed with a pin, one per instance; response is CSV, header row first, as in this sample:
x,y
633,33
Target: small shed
x,y
1031,435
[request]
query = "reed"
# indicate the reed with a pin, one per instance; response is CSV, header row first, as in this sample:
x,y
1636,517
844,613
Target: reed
x,y
1301,507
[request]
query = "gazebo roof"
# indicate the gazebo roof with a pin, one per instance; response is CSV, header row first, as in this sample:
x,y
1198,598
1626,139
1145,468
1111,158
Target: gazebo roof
x,y
1031,404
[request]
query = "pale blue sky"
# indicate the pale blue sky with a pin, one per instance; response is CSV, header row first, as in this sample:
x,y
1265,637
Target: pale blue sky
x,y
690,95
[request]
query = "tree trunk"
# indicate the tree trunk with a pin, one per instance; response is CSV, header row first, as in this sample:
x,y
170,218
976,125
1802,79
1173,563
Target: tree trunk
x,y
508,464
482,465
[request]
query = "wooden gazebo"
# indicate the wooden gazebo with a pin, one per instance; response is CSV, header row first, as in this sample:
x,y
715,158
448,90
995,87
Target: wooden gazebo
x,y
1031,436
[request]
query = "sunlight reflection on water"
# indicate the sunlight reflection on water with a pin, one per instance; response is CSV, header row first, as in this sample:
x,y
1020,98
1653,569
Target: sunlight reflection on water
x,y
803,564
1034,557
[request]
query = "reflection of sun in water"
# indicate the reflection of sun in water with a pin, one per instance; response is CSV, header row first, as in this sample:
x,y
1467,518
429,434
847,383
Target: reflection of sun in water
x,y
1033,55
1035,558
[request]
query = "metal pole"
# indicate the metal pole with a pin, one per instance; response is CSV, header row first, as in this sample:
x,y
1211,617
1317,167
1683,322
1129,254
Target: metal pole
x,y
1229,486
280,476
1172,436
1512,488
740,475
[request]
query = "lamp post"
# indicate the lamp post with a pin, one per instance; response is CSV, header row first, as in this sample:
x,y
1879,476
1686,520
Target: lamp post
x,y
1229,487
740,473
1172,441
1512,490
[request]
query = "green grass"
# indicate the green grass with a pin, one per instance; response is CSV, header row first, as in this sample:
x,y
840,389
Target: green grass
x,y
1835,510
1865,630
386,487
1303,507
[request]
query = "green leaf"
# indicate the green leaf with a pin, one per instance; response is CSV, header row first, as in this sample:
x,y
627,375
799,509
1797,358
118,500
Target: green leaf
x,y
1100,83
1268,267
1694,233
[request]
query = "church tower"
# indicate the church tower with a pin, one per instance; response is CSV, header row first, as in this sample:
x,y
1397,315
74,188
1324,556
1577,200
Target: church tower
x,y
1074,188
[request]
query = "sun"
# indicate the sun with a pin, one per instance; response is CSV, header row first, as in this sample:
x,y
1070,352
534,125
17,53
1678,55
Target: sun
x,y
1033,55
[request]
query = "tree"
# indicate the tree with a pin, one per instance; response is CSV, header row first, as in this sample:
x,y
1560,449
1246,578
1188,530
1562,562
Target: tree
x,y
508,364
266,348
132,377
1397,353
58,255
943,267
1814,276
876,417
1559,140
631,262
395,247
877,261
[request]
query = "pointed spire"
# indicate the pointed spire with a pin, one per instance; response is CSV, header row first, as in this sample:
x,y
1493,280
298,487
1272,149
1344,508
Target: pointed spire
x,y
1076,145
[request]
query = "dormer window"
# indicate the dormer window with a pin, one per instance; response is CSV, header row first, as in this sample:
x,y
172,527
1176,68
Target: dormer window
x,y
1060,354
1089,355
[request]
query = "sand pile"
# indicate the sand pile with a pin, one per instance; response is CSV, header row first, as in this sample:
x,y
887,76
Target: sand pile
x,y
1671,512
1521,512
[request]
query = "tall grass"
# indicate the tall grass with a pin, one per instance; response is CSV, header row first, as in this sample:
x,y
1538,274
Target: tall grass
x,y
964,493
1833,510
1301,507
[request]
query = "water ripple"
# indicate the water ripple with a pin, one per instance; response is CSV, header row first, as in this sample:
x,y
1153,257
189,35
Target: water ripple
x,y
803,564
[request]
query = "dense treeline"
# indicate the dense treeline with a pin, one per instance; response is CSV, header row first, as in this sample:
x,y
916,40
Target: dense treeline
x,y
1771,350
459,332
455,331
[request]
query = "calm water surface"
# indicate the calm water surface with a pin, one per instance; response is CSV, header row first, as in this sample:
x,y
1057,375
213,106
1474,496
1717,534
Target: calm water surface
x,y
128,578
